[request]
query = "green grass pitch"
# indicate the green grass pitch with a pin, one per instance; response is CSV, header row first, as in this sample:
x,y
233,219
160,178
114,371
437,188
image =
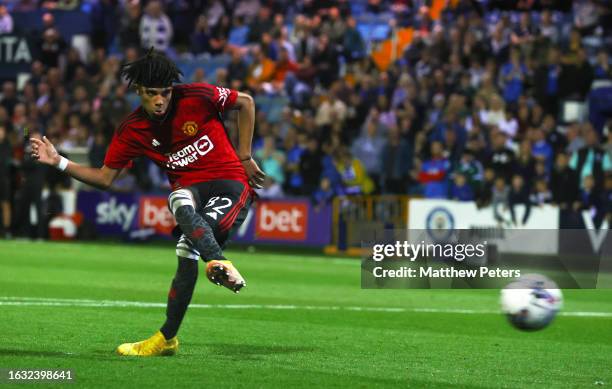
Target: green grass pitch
x,y
302,321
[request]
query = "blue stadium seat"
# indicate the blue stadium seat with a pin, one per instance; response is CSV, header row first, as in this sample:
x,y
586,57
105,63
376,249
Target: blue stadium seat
x,y
357,8
379,32
272,106
210,66
365,30
238,35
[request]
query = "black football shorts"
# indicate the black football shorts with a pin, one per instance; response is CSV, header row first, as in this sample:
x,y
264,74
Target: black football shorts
x,y
224,205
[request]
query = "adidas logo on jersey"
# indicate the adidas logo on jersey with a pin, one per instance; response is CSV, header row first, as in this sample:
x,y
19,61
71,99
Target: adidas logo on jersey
x,y
155,143
190,153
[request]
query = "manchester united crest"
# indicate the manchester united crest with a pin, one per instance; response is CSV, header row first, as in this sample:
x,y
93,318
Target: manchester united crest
x,y
190,128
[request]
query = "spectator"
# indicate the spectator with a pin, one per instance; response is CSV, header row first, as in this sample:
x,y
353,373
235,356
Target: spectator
x,y
125,182
460,189
9,97
155,28
237,70
310,166
97,152
368,148
548,29
602,70
540,149
73,61
525,163
331,109
590,200
608,198
499,198
453,143
51,47
541,195
271,160
6,20
353,44
541,172
284,65
556,140
434,173
396,163
586,16
295,146
563,183
324,194
201,36
199,76
30,195
261,24
608,145
484,192
509,124
325,60
574,139
499,42
576,77
513,74
496,112
261,69
502,158
271,189
591,160
471,168
6,157
547,81
519,194
104,22
129,25
355,179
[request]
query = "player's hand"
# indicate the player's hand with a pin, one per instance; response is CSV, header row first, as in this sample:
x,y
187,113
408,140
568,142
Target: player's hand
x,y
256,176
44,151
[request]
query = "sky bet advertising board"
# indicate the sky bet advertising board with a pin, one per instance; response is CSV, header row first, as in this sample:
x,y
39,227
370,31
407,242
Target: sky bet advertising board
x,y
140,216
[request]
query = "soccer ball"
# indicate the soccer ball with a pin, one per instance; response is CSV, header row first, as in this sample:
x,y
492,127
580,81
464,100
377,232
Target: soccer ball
x,y
531,302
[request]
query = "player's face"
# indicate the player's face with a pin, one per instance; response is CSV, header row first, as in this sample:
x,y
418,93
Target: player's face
x,y
155,101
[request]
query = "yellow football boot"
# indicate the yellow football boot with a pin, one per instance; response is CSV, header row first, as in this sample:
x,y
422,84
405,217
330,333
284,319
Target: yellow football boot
x,y
156,345
224,273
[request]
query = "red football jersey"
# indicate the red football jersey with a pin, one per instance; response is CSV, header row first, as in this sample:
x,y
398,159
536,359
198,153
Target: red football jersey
x,y
191,144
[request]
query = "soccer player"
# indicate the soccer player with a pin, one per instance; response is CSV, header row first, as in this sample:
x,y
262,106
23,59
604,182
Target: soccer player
x,y
180,128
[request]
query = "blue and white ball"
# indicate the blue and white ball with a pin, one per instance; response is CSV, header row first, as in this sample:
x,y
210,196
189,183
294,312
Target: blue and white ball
x,y
531,302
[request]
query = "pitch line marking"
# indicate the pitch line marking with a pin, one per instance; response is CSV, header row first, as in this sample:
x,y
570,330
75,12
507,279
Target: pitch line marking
x,y
61,302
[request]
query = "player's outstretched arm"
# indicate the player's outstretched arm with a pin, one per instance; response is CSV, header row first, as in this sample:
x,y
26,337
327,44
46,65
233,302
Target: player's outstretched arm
x,y
44,151
246,125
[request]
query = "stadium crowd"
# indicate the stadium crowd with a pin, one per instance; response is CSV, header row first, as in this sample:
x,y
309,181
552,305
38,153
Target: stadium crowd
x,y
471,110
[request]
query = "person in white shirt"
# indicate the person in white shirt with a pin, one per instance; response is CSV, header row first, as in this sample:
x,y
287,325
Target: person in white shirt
x,y
6,20
155,28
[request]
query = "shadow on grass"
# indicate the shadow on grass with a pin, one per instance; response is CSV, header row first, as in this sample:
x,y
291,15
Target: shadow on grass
x,y
89,355
34,353
251,351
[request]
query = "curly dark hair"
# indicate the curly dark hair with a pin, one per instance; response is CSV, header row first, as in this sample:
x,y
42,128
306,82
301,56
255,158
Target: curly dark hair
x,y
153,70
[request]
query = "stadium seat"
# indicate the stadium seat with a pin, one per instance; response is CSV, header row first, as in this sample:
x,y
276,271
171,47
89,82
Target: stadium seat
x,y
272,106
365,30
380,32
238,36
357,8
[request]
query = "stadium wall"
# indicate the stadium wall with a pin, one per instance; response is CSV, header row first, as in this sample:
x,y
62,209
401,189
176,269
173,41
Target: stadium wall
x,y
338,228
495,226
138,216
